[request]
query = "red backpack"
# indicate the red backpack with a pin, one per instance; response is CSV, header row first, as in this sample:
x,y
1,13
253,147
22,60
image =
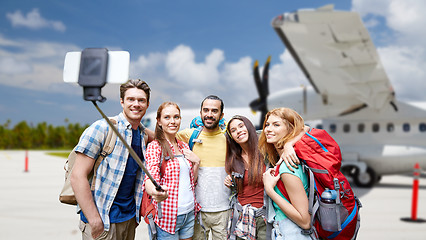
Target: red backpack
x,y
321,158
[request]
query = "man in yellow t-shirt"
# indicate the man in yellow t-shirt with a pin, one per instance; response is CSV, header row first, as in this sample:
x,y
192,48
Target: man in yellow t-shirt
x,y
210,191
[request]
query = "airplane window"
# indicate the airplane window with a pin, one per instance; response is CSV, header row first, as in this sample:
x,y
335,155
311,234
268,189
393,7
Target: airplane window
x,y
406,127
390,127
422,127
332,128
319,126
346,127
376,127
361,127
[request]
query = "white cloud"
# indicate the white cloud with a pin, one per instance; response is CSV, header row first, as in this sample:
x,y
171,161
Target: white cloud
x,y
408,18
181,66
10,65
376,7
33,65
34,20
286,73
193,97
405,17
405,69
149,67
238,73
404,55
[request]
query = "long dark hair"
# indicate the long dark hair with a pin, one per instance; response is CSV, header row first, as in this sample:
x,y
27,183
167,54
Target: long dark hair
x,y
159,133
235,163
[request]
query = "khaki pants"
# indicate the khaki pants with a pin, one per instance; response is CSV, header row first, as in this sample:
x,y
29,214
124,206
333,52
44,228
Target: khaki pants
x,y
216,222
124,230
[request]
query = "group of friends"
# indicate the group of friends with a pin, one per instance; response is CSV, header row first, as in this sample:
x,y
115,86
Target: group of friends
x,y
197,184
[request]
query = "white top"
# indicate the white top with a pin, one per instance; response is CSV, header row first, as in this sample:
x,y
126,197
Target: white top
x,y
185,195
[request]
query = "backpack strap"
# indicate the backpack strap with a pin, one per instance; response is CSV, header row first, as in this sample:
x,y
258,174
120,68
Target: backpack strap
x,y
358,206
163,166
313,202
194,137
280,184
269,209
107,149
151,224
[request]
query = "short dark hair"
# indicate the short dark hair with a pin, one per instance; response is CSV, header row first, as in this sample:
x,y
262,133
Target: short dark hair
x,y
214,97
135,83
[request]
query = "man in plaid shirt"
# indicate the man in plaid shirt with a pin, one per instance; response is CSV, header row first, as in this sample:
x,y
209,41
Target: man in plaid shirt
x,y
111,211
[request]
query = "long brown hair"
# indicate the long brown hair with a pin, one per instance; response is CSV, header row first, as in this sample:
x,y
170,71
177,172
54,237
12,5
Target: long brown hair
x,y
235,163
295,125
159,133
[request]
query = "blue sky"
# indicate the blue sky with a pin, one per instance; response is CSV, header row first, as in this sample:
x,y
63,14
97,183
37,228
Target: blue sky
x,y
185,50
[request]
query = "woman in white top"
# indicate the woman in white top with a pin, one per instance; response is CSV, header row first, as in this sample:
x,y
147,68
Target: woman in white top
x,y
180,207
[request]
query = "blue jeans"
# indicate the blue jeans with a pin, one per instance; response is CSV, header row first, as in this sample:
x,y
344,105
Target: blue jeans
x,y
184,228
287,229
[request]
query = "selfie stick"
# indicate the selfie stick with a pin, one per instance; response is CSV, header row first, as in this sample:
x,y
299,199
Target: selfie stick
x,y
131,151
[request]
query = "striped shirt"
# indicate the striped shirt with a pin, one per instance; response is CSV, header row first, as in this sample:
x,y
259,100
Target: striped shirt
x,y
169,207
111,169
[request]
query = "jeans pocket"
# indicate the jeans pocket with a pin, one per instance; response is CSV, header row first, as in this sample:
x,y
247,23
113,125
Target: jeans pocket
x,y
82,226
276,233
103,235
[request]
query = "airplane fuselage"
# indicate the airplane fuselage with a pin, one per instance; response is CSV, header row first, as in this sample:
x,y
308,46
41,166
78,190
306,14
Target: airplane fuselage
x,y
387,141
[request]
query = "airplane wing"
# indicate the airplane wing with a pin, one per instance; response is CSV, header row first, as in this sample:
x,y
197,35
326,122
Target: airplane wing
x,y
335,52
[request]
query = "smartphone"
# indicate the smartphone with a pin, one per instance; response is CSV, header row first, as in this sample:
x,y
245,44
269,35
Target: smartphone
x,y
117,67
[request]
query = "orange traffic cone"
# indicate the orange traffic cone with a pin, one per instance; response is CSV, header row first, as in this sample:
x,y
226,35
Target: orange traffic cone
x,y
26,161
415,197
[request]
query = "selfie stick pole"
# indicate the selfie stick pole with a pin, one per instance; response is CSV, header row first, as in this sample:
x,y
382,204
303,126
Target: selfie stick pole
x,y
131,151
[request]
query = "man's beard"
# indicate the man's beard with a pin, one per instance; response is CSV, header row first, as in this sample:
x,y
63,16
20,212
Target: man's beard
x,y
213,125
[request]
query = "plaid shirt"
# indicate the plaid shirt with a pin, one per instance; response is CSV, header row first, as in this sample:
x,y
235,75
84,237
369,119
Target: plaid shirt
x,y
169,207
111,169
245,227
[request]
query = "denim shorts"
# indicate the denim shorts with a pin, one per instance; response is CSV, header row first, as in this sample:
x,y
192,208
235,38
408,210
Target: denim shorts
x,y
287,229
184,228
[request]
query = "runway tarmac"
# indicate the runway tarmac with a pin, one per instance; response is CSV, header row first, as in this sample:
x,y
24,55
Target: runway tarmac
x,y
29,205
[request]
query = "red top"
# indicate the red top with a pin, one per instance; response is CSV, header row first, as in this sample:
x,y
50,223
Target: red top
x,y
251,194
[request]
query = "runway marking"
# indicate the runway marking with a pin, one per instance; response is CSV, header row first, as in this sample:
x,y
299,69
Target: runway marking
x,y
7,156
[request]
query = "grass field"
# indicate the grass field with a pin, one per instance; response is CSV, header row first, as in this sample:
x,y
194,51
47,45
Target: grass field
x,y
59,154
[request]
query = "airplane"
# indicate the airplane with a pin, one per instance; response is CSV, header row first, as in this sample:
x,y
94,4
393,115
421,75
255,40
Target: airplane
x,y
350,95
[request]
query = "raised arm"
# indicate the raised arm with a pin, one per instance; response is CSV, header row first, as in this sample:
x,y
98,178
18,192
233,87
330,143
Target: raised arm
x,y
289,155
298,209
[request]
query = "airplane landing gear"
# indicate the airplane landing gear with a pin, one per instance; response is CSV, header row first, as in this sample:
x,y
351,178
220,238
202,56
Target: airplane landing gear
x,y
367,179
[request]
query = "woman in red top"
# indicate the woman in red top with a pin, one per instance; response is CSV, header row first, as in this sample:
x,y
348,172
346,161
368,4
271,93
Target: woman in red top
x,y
245,165
180,207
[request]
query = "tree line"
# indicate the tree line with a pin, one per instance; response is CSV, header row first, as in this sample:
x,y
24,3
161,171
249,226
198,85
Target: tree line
x,y
40,136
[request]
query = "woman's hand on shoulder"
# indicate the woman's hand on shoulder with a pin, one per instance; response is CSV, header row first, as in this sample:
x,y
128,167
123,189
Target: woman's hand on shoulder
x,y
289,157
191,156
270,180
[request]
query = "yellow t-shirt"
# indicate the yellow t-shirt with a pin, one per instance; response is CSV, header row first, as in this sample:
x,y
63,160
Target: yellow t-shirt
x,y
210,191
212,150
